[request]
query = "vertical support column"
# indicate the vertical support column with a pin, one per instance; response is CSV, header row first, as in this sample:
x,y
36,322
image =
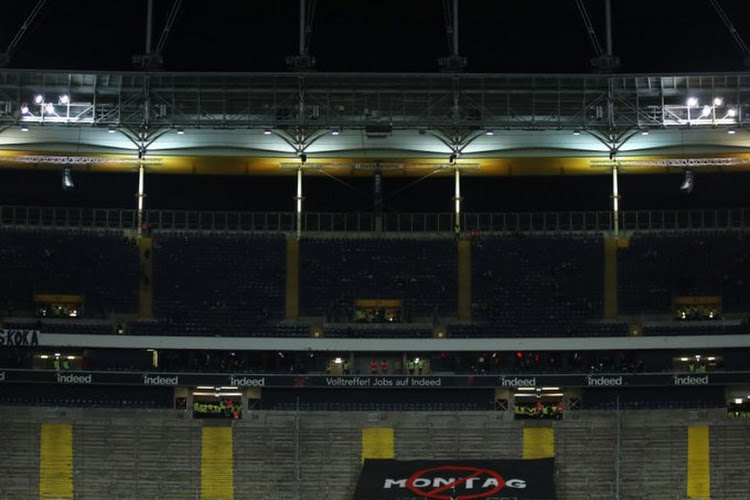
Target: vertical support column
x,y
457,201
149,24
610,278
302,34
464,280
145,278
615,202
141,194
299,203
455,28
608,15
292,279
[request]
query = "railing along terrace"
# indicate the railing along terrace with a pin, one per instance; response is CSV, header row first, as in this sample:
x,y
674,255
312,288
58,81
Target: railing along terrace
x,y
228,100
365,222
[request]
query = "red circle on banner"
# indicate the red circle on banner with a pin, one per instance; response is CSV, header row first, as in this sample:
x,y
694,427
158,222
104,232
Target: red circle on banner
x,y
470,472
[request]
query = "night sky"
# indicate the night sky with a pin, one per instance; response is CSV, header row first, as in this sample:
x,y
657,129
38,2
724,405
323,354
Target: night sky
x,y
379,35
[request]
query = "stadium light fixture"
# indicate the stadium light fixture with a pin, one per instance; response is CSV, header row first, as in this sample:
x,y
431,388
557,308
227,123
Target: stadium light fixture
x,y
49,108
692,102
731,112
706,111
38,99
24,108
67,180
688,182
718,101
64,99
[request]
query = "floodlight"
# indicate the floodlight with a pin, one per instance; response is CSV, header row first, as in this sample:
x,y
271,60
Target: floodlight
x,y
24,108
731,112
718,101
49,108
180,131
692,102
24,128
38,99
64,99
490,132
67,180
706,110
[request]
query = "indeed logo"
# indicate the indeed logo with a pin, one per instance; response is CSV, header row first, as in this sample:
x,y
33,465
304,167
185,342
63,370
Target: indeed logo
x,y
247,381
517,382
690,380
603,381
159,380
73,379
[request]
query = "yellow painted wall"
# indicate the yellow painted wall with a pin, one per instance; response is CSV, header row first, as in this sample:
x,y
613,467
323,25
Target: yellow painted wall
x,y
377,442
538,442
698,465
217,463
56,462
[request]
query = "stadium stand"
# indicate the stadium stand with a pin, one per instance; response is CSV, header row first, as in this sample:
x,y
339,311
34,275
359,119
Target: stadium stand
x,y
101,266
537,285
218,284
657,266
336,271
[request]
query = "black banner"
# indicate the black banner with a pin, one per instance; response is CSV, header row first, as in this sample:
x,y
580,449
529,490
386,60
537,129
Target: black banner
x,y
510,382
456,480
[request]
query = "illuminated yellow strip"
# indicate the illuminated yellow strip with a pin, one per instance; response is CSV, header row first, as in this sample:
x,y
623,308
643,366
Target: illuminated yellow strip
x,y
538,442
377,442
698,466
56,462
217,476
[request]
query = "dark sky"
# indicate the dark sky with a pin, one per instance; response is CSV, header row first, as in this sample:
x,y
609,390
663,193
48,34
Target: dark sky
x,y
378,35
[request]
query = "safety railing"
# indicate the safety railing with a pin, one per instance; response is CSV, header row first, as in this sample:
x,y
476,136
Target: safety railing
x,y
367,222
